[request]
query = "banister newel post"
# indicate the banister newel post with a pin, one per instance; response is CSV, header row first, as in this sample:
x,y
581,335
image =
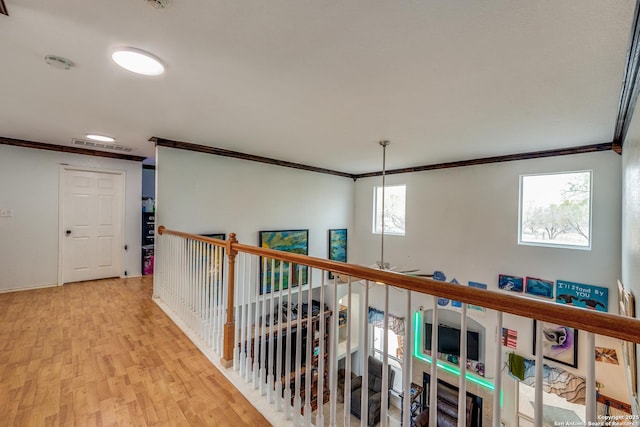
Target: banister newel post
x,y
229,326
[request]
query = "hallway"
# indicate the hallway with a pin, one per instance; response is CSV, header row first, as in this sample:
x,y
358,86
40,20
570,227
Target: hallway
x,y
101,353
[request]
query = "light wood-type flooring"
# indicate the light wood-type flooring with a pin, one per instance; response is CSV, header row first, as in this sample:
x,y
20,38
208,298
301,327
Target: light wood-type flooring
x,y
101,353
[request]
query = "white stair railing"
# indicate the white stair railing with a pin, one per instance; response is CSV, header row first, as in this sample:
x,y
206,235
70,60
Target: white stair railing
x,y
289,352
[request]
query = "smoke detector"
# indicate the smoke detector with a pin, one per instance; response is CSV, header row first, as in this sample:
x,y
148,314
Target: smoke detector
x,y
158,4
58,62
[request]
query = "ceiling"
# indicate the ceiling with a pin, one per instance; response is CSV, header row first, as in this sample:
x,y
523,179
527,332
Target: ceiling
x,y
320,82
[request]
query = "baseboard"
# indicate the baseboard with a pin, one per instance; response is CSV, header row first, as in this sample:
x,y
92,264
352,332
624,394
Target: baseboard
x,y
30,288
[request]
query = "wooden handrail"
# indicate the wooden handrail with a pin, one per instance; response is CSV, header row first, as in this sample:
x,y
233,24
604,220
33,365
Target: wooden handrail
x,y
607,324
162,229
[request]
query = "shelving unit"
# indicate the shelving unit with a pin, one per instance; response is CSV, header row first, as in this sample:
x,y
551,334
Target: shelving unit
x,y
309,369
343,325
148,241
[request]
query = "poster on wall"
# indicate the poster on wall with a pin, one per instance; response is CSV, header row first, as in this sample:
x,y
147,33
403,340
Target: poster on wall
x,y
439,275
581,295
510,283
454,303
559,343
479,286
539,287
607,355
510,338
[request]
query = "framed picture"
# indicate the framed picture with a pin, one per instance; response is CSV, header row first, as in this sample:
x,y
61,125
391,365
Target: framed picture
x,y
215,266
219,236
560,343
582,295
337,246
607,355
510,338
295,241
510,283
627,307
539,287
479,286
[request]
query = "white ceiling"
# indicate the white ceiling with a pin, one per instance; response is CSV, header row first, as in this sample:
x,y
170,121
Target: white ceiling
x,y
320,82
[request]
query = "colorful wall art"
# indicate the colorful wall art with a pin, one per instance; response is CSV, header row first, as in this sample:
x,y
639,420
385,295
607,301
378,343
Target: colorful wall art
x,y
510,283
337,246
539,287
581,295
510,338
479,286
559,343
271,275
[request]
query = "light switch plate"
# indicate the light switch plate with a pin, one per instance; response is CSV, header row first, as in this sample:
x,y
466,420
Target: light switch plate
x,y
6,213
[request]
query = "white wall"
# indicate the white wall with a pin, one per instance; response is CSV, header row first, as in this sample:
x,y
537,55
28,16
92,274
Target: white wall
x,y
631,218
29,186
202,193
464,222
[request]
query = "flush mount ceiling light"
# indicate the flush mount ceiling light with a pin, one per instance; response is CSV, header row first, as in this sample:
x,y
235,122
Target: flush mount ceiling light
x,y
138,61
98,137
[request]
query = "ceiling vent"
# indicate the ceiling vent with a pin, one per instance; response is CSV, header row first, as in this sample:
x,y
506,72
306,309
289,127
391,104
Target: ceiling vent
x,y
158,4
102,145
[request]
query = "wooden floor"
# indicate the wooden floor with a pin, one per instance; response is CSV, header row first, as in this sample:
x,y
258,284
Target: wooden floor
x,y
102,353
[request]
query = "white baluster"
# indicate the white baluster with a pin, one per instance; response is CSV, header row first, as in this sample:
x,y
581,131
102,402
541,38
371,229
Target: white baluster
x,y
241,286
538,403
384,409
271,344
321,365
462,359
347,358
310,349
263,333
279,317
256,333
433,384
333,355
289,350
364,403
497,386
590,402
407,351
297,400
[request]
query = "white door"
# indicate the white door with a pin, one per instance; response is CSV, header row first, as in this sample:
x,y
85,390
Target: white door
x,y
91,224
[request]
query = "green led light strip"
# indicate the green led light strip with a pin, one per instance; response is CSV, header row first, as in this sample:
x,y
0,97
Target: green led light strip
x,y
417,353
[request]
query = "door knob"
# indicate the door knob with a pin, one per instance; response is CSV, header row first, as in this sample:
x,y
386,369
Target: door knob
x,y
68,232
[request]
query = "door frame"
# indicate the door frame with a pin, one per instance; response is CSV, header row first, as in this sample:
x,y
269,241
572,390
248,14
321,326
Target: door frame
x,y
61,187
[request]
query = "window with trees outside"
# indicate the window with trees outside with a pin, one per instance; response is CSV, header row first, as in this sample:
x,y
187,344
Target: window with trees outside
x,y
394,209
394,352
555,209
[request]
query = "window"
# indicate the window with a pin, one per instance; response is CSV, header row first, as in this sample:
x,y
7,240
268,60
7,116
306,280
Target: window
x,y
394,209
394,350
555,209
